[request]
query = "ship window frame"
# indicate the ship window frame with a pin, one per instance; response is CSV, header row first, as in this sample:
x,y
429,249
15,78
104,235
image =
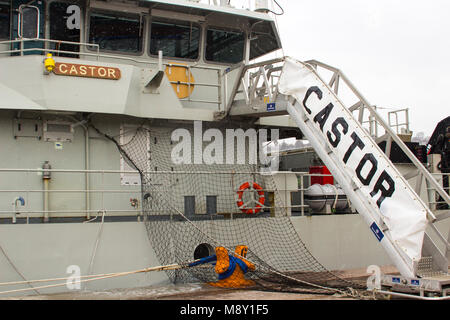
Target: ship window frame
x,y
253,43
20,19
181,21
8,36
118,13
226,29
50,3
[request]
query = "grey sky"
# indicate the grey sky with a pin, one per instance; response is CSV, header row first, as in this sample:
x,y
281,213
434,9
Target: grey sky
x,y
396,52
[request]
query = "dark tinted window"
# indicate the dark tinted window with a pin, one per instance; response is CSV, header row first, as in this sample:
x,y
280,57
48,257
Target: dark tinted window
x,y
116,31
262,44
224,46
29,22
4,19
175,39
62,29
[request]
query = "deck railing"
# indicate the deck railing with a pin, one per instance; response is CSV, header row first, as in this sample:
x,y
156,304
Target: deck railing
x,y
92,51
106,199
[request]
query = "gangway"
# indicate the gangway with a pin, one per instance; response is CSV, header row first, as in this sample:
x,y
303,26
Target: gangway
x,y
400,220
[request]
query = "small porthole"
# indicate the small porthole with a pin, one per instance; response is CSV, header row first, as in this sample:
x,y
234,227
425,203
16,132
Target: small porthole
x,y
203,250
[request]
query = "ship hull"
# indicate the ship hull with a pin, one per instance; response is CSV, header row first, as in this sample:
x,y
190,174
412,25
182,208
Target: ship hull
x,y
44,251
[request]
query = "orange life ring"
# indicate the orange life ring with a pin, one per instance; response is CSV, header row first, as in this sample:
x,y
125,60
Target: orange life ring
x,y
258,203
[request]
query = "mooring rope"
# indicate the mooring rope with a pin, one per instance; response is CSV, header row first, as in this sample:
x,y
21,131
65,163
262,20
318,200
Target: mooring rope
x,y
87,278
90,277
17,270
97,241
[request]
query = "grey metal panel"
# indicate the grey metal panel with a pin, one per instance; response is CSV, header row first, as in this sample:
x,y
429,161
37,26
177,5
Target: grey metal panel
x,y
29,152
28,88
211,204
27,128
440,262
11,99
189,205
201,8
43,251
261,109
38,252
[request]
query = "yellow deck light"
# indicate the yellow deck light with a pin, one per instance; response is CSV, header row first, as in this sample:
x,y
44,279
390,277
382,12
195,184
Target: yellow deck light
x,y
49,63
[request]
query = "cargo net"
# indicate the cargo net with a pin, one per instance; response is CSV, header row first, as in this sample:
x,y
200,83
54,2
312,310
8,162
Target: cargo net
x,y
192,209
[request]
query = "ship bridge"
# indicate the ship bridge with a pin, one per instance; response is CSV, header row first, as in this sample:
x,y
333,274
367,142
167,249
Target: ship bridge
x,y
151,59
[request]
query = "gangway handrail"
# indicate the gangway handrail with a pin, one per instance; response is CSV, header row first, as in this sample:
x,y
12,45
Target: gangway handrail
x,y
397,125
405,236
393,137
243,70
360,106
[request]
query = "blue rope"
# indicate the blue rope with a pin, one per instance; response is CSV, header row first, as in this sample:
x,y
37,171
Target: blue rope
x,y
203,261
233,261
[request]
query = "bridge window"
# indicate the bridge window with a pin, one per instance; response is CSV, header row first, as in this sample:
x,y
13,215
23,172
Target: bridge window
x,y
64,27
116,31
175,39
224,46
261,44
5,15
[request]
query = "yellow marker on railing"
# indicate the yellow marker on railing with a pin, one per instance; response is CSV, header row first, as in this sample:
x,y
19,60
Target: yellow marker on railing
x,y
49,63
181,79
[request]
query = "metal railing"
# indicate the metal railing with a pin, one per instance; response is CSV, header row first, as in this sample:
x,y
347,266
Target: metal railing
x,y
101,195
258,81
192,83
419,171
33,195
98,56
395,122
362,110
240,4
362,106
21,47
105,193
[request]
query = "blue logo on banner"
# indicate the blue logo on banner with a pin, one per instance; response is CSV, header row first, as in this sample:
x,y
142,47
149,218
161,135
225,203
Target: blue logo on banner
x,y
396,280
415,282
271,107
376,231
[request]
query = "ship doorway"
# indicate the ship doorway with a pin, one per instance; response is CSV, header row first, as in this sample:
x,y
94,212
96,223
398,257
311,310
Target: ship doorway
x,y
27,23
65,25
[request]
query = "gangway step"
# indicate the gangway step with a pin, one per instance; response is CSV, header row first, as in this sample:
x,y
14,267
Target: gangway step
x,y
437,285
260,108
